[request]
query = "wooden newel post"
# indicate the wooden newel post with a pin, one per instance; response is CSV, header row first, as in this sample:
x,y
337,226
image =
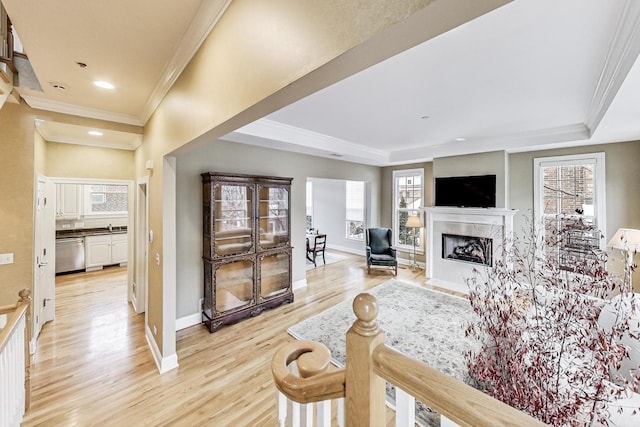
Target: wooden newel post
x,y
364,390
25,298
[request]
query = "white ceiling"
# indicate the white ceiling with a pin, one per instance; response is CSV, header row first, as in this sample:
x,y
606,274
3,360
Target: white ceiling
x,y
140,46
532,74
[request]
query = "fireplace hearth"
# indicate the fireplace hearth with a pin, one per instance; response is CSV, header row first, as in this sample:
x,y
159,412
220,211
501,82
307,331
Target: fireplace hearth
x,y
477,250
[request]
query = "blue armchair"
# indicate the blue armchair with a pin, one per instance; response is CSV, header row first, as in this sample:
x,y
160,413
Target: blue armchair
x,y
379,250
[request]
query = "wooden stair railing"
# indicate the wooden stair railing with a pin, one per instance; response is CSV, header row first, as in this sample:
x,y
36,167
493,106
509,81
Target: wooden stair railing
x,y
15,360
369,363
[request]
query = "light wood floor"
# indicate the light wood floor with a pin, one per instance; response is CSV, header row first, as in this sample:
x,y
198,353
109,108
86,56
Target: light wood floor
x,y
92,366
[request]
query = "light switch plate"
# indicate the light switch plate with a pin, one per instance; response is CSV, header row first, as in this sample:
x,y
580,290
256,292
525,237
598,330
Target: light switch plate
x,y
6,259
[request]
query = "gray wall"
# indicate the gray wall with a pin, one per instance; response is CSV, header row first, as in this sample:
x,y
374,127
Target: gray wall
x,y
386,211
622,176
225,156
492,163
515,174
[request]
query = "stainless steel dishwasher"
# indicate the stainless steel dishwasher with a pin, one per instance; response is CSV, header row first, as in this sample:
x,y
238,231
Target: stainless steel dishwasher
x,y
69,254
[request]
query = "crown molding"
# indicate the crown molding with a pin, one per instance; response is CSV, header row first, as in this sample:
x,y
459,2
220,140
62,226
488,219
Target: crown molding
x,y
271,134
111,139
308,142
207,16
75,110
523,141
622,54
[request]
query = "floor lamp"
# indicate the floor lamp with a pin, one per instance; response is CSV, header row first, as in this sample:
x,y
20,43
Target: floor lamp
x,y
414,222
627,240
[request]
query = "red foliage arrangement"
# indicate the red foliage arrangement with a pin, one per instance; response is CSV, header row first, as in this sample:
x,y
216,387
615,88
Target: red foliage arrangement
x,y
541,347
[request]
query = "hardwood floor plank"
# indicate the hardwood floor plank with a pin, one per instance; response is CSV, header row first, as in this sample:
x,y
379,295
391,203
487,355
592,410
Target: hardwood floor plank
x,y
93,366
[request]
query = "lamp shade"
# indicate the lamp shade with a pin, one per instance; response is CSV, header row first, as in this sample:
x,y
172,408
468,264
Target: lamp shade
x,y
414,221
626,239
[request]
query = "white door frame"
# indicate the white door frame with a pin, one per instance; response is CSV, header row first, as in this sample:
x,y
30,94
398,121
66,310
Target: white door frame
x,y
130,215
139,296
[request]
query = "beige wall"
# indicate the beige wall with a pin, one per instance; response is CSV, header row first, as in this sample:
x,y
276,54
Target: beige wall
x,y
80,161
40,154
23,154
17,189
249,67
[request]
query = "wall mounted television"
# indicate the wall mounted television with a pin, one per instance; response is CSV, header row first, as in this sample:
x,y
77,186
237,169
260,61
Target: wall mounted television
x,y
478,191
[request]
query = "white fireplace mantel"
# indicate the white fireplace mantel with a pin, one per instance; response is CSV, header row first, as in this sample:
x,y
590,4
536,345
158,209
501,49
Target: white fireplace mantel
x,y
496,222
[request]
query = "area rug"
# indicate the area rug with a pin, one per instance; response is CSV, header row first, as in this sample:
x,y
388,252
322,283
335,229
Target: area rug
x,y
329,257
424,324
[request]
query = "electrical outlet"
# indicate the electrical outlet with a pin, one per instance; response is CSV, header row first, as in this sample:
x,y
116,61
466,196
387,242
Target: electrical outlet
x,y
201,304
66,225
157,258
6,259
155,330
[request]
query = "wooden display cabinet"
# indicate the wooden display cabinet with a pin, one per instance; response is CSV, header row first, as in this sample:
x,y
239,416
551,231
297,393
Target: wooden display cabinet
x,y
246,246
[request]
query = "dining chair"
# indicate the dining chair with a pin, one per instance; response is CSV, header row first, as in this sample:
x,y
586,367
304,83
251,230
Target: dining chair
x,y
319,243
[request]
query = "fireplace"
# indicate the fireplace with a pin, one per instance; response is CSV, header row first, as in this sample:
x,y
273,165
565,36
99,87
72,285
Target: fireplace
x,y
474,237
478,250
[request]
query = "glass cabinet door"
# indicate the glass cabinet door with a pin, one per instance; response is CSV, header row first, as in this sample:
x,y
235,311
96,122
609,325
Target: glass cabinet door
x,y
274,274
234,285
233,228
273,216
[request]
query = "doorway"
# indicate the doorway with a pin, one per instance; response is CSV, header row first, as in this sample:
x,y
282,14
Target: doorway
x,y
103,209
139,286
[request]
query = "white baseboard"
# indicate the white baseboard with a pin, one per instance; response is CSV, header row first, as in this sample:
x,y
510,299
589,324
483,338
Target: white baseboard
x,y
462,288
298,284
164,364
407,262
188,321
348,250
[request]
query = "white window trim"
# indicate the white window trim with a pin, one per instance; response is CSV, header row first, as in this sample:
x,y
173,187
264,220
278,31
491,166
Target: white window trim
x,y
364,213
395,227
598,159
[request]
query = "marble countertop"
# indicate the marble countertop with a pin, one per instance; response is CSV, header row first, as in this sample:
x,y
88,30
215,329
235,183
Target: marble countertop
x,y
75,233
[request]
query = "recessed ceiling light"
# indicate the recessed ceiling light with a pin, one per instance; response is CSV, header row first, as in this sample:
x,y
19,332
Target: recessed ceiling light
x,y
460,139
103,84
424,117
95,133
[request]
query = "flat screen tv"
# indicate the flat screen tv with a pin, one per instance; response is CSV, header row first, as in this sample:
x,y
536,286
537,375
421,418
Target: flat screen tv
x,y
478,191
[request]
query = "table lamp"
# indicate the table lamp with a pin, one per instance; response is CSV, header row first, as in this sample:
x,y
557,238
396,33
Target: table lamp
x,y
414,222
627,240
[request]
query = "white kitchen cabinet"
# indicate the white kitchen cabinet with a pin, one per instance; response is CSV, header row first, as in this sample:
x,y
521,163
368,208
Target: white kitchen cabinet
x,y
105,249
119,250
68,201
97,251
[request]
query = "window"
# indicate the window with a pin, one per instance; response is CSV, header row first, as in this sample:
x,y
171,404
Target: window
x,y
309,208
569,195
408,190
105,199
355,209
